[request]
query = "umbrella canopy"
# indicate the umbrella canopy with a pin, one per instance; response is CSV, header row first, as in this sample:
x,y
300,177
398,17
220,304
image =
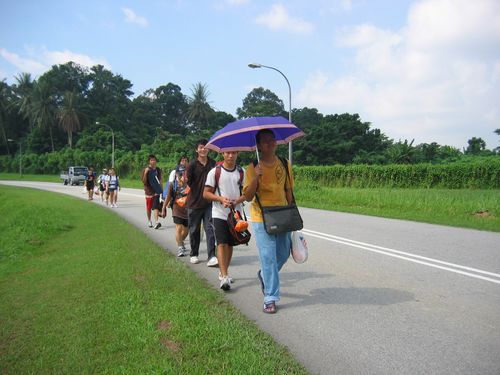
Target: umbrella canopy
x,y
240,135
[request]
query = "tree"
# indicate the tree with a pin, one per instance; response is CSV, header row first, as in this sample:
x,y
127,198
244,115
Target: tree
x,y
69,115
5,93
497,149
43,109
199,111
261,102
476,146
401,152
23,90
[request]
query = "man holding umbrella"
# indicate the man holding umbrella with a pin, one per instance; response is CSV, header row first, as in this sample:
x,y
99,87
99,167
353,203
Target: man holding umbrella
x,y
270,182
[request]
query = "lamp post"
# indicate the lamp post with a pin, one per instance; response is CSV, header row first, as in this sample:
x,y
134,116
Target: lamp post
x,y
112,143
20,156
255,66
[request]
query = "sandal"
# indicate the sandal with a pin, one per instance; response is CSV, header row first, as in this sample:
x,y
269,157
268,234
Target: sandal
x,y
269,307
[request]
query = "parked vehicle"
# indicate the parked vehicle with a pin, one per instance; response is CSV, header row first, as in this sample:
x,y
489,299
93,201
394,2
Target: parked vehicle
x,y
74,175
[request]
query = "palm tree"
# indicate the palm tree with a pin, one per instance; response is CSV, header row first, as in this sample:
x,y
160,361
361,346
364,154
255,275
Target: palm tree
x,y
43,108
24,95
199,111
69,115
4,109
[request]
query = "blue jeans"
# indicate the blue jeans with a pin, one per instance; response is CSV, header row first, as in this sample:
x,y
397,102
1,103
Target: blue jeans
x,y
274,251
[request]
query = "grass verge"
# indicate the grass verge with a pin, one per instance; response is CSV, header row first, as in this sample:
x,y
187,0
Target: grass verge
x,y
84,292
476,209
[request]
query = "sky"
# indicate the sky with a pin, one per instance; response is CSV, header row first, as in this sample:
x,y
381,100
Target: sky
x,y
427,70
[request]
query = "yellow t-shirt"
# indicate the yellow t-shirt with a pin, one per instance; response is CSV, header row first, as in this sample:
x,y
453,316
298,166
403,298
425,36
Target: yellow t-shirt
x,y
271,188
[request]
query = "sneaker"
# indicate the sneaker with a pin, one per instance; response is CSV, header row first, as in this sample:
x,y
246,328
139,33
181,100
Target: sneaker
x,y
229,277
150,224
180,252
259,276
157,225
212,262
225,283
116,205
194,260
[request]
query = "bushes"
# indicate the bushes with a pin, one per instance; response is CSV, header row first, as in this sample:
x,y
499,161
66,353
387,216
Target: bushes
x,y
481,174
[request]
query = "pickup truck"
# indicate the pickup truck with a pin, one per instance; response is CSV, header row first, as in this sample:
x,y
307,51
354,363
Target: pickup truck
x,y
74,175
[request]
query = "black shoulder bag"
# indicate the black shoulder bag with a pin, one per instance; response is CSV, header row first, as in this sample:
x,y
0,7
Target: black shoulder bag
x,y
281,219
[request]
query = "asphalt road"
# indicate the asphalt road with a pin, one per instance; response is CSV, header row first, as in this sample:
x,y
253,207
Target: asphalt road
x,y
377,296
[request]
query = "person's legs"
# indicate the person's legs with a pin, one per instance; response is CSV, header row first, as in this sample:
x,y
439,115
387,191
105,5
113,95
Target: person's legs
x,y
283,246
149,206
184,233
266,245
224,257
178,234
194,220
209,231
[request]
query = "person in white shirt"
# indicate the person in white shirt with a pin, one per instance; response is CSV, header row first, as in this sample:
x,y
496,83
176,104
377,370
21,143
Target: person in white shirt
x,y
224,193
103,178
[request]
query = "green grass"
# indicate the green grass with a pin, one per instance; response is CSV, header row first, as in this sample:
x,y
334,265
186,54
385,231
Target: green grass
x,y
30,177
459,207
454,207
83,292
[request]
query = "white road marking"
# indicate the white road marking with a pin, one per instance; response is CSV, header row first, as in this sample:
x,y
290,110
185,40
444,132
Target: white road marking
x,y
407,256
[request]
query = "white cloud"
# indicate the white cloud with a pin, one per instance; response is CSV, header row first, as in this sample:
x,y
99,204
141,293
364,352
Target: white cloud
x,y
131,17
23,64
436,79
278,19
41,59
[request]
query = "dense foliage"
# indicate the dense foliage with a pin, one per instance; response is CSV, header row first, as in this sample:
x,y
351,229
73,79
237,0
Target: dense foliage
x,y
65,117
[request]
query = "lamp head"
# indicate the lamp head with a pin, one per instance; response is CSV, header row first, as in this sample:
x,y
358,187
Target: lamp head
x,y
254,66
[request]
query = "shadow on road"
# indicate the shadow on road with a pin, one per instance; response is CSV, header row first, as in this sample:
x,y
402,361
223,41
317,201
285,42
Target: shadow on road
x,y
348,296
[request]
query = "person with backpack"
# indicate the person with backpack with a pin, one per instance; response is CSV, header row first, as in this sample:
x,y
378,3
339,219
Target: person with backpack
x,y
151,179
102,181
90,183
176,200
270,183
200,209
112,185
223,188
182,163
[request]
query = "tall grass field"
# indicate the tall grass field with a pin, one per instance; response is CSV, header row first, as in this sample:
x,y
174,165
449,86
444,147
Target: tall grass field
x,y
83,292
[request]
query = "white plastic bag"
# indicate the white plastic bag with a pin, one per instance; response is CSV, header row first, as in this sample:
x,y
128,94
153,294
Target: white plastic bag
x,y
299,251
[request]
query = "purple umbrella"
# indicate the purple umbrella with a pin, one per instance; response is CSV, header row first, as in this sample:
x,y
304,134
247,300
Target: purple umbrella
x,y
240,135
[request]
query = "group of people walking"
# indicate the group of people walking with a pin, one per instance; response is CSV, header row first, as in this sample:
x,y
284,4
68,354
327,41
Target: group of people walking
x,y
205,192
106,185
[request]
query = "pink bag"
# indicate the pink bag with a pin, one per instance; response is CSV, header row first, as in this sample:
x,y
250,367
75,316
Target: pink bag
x,y
299,251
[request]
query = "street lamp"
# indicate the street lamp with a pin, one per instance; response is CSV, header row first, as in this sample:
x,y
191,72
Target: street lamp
x,y
20,156
255,66
112,143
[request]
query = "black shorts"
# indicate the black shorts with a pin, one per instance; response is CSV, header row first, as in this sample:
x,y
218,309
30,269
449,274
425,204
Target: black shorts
x,y
181,221
222,233
156,203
